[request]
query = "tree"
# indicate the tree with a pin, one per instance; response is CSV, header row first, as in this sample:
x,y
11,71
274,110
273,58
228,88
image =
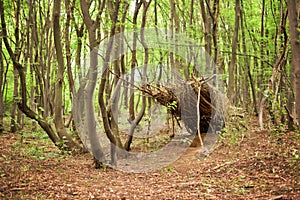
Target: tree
x,y
248,80
294,20
231,69
141,113
92,26
58,119
2,83
13,113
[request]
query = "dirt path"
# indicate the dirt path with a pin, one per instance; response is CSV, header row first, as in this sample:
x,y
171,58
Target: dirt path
x,y
256,165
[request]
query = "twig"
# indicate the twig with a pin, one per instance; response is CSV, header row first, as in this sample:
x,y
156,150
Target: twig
x,y
119,77
224,164
210,78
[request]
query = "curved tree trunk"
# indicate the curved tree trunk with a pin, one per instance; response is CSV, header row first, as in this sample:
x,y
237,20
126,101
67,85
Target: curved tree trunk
x,y
140,115
90,118
106,124
58,108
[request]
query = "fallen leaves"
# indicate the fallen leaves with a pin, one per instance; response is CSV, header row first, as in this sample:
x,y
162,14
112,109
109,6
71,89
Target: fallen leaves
x,y
249,170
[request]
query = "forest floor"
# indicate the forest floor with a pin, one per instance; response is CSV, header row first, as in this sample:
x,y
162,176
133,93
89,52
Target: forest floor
x,y
247,163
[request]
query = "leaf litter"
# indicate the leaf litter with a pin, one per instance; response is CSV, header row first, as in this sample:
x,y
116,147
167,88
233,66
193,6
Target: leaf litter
x,y
261,165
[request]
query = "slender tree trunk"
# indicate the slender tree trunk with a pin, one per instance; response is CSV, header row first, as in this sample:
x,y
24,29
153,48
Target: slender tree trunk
x,y
46,73
231,83
248,74
32,99
2,78
58,105
31,45
90,119
206,26
119,71
13,123
274,103
68,48
107,128
13,120
172,19
215,17
262,48
141,113
134,63
122,60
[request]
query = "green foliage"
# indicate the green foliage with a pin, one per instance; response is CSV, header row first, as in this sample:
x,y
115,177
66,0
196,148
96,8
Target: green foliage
x,y
295,158
236,127
37,145
170,168
172,106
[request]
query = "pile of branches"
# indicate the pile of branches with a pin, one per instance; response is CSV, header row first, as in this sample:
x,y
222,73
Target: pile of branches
x,y
165,96
188,101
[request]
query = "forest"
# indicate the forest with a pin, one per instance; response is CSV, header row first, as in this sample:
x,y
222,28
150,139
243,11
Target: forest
x,y
147,99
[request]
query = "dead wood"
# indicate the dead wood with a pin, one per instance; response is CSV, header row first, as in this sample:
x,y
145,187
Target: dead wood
x,y
182,101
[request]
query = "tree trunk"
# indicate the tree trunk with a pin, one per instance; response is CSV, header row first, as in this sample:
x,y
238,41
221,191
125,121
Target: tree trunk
x,y
207,22
90,118
13,123
260,78
58,107
133,62
2,78
140,115
107,125
13,119
294,20
32,96
68,48
248,74
119,71
231,82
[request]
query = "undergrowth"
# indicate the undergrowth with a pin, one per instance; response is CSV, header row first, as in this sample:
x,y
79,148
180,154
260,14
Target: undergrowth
x,y
37,145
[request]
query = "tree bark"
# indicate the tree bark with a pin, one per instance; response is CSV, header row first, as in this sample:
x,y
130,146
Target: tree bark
x,y
207,28
13,120
68,47
90,118
231,82
134,63
140,115
262,52
58,105
107,127
294,20
248,75
2,78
